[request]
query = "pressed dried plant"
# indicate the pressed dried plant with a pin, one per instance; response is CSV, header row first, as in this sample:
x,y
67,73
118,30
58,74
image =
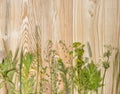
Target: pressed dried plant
x,y
87,76
41,70
26,82
106,63
52,67
68,66
7,70
63,73
78,72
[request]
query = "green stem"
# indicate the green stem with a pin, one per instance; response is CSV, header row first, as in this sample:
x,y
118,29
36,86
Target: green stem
x,y
103,80
72,78
40,72
104,75
97,91
72,81
56,69
51,78
37,72
21,59
79,87
38,64
10,70
113,78
66,85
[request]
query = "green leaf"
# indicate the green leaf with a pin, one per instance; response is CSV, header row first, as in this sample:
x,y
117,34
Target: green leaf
x,y
28,60
76,44
89,49
106,64
107,54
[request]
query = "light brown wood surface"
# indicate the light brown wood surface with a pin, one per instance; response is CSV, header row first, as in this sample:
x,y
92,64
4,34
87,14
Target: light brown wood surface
x,y
93,21
98,22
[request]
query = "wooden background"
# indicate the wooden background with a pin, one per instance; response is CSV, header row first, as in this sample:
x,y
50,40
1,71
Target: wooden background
x,y
95,21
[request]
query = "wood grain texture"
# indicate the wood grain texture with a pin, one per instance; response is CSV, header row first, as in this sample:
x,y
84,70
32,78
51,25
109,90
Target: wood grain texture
x,y
93,21
97,21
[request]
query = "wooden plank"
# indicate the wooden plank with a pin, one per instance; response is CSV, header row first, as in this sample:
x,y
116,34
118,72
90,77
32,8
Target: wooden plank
x,y
97,21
